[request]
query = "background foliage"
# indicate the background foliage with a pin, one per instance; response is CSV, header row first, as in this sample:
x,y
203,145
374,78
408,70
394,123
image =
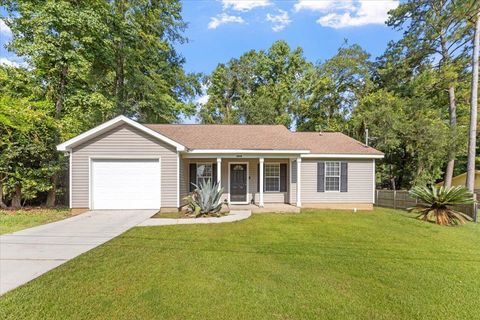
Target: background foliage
x,y
88,61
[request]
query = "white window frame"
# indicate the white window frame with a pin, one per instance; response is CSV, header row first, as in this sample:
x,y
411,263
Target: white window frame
x,y
211,171
333,176
265,174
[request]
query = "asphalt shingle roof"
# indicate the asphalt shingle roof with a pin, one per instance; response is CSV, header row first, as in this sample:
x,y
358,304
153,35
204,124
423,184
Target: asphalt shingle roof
x,y
260,137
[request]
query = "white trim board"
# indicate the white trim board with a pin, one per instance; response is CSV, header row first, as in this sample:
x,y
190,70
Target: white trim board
x,y
115,122
342,156
70,183
178,179
237,156
245,151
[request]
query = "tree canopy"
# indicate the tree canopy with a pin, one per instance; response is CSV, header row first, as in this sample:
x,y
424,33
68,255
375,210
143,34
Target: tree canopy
x,y
88,61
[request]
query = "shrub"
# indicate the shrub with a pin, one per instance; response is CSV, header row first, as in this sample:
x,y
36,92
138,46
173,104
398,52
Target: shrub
x,y
205,200
435,204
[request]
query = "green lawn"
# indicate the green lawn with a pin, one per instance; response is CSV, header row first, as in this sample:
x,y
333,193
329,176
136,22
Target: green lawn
x,y
11,221
313,265
170,215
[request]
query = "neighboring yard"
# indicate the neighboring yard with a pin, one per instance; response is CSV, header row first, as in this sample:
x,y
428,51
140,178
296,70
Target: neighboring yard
x,y
314,265
11,221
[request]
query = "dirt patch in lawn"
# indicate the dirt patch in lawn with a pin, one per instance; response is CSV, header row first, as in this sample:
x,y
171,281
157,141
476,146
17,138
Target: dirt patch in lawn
x,y
14,220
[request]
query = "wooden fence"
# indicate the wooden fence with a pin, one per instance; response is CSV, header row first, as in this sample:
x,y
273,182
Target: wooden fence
x,y
401,199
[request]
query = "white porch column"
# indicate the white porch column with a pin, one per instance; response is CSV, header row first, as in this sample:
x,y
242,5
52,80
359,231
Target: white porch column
x,y
260,176
219,172
299,182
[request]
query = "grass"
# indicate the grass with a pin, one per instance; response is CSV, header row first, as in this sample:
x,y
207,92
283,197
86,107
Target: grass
x,y
11,221
314,265
169,215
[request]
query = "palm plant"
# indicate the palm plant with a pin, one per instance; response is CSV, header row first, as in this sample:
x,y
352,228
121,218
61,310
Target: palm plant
x,y
435,204
205,199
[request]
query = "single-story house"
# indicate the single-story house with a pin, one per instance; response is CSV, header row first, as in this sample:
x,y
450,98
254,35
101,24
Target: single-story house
x,y
461,180
122,164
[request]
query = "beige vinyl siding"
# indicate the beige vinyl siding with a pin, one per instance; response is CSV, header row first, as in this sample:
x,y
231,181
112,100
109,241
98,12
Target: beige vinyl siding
x,y
268,197
183,179
124,141
293,182
360,183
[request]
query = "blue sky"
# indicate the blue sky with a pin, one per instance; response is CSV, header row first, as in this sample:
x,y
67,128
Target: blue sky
x,y
219,30
222,29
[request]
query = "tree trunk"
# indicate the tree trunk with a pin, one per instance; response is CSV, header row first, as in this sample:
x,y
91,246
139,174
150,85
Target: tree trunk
x,y
472,139
453,130
52,193
62,83
17,197
452,110
2,204
119,89
120,79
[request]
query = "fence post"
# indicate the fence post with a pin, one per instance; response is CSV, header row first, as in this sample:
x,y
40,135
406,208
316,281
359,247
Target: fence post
x,y
475,208
394,199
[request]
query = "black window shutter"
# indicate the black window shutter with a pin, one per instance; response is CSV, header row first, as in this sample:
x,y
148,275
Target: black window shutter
x,y
214,173
193,176
321,176
344,177
258,177
283,177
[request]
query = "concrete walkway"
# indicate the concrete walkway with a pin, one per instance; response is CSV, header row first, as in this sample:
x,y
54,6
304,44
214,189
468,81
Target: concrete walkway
x,y
234,215
26,254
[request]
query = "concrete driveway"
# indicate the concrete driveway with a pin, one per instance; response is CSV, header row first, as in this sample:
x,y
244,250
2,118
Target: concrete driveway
x,y
26,254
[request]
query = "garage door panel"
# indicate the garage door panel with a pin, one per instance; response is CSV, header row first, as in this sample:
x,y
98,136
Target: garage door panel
x,y
126,184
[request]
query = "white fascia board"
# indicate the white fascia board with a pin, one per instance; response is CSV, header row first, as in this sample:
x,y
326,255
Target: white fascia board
x,y
343,156
69,144
245,151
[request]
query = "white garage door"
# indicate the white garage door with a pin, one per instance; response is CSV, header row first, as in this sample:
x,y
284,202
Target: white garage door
x,y
126,184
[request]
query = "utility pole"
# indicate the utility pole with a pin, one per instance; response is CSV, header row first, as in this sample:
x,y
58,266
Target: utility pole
x,y
472,139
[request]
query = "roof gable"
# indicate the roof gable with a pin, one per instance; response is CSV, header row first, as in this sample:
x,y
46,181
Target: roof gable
x,y
115,122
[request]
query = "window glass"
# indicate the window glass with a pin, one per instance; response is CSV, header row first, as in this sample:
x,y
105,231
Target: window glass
x,y
204,172
272,177
332,176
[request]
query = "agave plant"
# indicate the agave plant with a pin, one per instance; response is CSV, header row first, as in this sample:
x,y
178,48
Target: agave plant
x,y
205,199
435,204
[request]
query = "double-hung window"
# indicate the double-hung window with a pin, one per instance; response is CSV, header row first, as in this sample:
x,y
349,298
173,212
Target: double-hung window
x,y
332,176
272,177
204,173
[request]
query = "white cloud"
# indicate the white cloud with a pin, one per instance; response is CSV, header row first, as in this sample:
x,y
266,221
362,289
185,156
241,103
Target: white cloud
x,y
8,63
280,20
368,12
223,18
350,13
245,5
323,5
4,29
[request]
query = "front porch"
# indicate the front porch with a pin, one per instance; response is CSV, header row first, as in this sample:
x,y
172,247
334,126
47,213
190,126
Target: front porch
x,y
258,183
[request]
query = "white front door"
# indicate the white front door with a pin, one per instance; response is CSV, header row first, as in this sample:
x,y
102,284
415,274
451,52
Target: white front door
x,y
125,184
